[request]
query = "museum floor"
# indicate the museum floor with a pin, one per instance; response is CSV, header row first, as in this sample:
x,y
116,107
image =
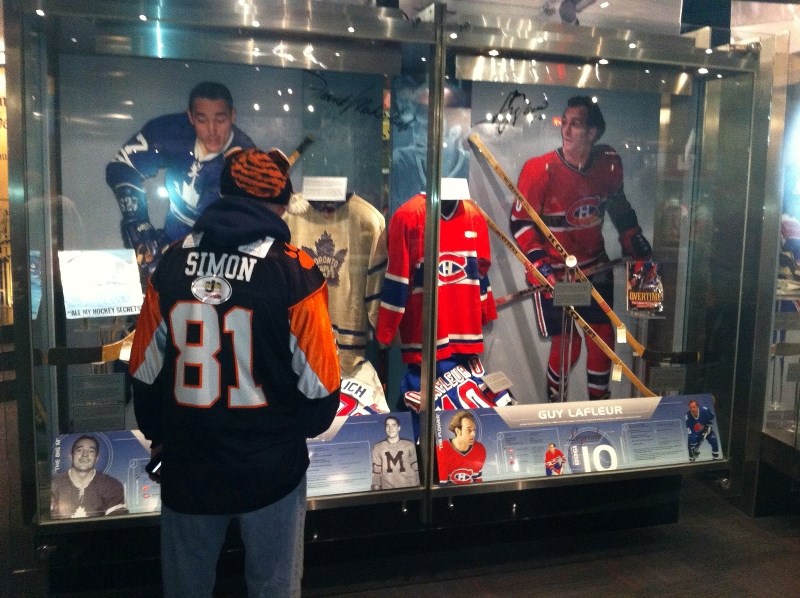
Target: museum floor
x,y
713,550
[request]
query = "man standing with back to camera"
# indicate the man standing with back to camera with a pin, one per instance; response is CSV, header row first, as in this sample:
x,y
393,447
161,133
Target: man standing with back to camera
x,y
189,147
234,365
572,189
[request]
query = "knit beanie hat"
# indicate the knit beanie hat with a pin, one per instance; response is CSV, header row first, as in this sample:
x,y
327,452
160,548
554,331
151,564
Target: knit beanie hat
x,y
260,175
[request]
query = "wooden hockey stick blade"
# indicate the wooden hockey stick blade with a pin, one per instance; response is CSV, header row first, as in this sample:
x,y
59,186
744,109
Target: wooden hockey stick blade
x,y
638,348
673,357
511,297
295,155
60,356
587,329
785,349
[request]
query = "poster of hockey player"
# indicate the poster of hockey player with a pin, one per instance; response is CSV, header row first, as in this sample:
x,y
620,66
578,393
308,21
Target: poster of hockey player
x,y
534,136
98,474
364,453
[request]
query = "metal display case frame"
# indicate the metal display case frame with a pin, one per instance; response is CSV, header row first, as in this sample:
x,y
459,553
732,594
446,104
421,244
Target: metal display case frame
x,y
377,41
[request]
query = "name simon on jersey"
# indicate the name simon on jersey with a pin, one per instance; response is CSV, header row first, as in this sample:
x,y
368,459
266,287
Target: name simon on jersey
x,y
233,267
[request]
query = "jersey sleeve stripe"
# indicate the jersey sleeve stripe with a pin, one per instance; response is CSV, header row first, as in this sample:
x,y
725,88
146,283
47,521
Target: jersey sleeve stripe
x,y
314,353
147,352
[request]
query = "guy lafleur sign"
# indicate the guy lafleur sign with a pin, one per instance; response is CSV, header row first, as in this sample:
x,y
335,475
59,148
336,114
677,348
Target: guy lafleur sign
x,y
525,441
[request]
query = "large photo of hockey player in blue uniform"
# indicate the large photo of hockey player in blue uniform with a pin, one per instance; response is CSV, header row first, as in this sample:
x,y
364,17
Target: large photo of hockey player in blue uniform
x,y
189,146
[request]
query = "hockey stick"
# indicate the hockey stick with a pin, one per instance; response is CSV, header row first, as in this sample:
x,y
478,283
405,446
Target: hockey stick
x,y
100,354
60,356
638,348
587,330
506,299
785,349
295,155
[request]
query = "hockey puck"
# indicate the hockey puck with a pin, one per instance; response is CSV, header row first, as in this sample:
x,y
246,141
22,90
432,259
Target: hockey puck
x,y
571,261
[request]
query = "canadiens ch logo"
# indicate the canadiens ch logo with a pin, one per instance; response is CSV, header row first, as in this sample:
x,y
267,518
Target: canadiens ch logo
x,y
584,213
328,260
461,476
211,289
452,268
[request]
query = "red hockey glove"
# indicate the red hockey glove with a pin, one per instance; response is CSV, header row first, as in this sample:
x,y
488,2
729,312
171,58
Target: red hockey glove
x,y
544,264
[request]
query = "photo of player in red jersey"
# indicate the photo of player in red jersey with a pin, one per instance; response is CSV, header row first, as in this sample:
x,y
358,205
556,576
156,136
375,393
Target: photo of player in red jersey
x,y
461,458
554,460
573,189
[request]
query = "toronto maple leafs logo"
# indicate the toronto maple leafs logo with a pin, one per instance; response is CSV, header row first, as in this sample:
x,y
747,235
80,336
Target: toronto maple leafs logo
x,y
327,258
187,189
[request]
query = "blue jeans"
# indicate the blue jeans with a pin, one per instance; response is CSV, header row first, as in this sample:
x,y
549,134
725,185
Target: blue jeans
x,y
273,545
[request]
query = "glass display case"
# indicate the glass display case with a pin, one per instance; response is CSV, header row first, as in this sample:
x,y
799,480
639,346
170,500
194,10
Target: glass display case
x,y
779,474
521,320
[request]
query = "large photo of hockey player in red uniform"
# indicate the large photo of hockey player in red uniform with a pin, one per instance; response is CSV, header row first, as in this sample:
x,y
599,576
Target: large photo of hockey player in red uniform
x,y
584,165
572,189
461,458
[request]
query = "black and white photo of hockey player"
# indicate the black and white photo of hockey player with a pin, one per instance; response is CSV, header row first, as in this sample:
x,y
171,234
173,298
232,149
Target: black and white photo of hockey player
x,y
82,490
189,147
699,422
394,460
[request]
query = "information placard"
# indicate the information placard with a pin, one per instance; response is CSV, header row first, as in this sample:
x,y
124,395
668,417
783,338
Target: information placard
x,y
110,480
100,283
363,453
526,441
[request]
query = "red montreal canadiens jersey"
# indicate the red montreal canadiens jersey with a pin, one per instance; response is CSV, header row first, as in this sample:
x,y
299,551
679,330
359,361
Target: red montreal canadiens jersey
x,y
554,461
466,302
571,202
460,468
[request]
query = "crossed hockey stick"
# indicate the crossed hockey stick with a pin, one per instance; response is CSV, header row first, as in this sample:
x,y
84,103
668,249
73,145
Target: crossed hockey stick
x,y
587,330
638,348
591,271
60,356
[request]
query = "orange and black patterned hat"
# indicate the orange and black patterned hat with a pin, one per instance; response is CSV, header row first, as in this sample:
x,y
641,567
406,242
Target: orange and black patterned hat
x,y
252,172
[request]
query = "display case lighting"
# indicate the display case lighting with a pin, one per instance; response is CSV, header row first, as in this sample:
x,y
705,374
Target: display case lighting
x,y
142,17
494,53
40,12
